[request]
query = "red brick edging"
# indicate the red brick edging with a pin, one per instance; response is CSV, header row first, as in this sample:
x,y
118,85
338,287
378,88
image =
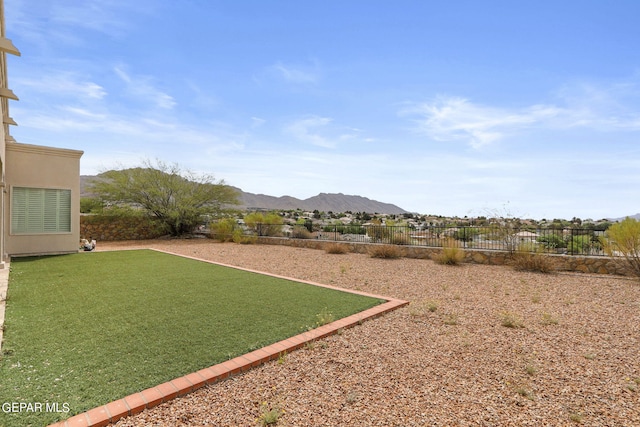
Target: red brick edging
x,y
154,396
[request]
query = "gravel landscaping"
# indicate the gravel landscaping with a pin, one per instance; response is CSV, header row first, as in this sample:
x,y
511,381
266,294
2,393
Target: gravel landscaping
x,y
478,346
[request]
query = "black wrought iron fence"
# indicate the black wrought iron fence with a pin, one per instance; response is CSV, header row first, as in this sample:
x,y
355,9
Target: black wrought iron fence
x,y
572,241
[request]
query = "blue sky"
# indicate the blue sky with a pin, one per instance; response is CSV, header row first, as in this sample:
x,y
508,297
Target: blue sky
x,y
440,107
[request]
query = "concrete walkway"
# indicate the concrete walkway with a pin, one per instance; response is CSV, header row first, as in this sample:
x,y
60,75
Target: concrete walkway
x,y
4,284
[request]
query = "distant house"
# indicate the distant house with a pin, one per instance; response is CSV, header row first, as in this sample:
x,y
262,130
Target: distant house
x,y
40,203
527,236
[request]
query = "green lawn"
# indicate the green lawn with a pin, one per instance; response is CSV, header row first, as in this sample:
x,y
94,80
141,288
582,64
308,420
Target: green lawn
x,y
88,328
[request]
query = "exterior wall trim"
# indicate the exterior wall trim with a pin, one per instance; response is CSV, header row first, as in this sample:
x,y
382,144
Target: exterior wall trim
x,y
47,151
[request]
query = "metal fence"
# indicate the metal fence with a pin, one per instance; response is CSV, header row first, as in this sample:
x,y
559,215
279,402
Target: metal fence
x,y
572,241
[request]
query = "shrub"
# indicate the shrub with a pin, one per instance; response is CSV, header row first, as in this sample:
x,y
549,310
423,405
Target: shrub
x,y
177,199
548,319
623,240
300,232
223,230
399,239
580,244
420,308
345,229
264,225
385,251
526,260
90,205
269,414
511,320
378,233
451,254
466,234
243,239
552,241
336,248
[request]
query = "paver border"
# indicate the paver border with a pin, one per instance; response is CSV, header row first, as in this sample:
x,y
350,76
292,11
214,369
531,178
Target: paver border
x,y
137,402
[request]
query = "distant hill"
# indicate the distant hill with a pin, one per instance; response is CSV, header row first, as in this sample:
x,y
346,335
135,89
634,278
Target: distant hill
x,y
324,202
636,216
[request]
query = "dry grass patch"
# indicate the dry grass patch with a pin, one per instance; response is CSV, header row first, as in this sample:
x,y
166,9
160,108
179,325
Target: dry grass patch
x,y
386,251
532,261
422,308
336,248
511,320
451,254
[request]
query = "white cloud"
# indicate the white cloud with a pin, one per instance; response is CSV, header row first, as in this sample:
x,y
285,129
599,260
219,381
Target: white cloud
x,y
607,107
91,14
63,84
257,122
141,87
305,130
454,118
319,131
590,106
66,22
299,74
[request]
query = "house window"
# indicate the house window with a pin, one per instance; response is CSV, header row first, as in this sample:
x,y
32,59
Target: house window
x,y
40,210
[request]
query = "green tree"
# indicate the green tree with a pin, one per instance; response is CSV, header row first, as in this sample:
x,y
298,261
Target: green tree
x,y
90,205
264,225
623,240
180,200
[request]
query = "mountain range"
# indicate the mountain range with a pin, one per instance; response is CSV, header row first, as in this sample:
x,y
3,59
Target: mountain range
x,y
323,202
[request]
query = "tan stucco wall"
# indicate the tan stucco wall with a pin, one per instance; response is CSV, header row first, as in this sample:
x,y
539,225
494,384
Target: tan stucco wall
x,y
42,167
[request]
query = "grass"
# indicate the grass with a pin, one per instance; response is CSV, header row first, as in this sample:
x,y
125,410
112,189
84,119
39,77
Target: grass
x,y
511,320
385,251
89,328
269,414
336,248
451,254
420,308
548,319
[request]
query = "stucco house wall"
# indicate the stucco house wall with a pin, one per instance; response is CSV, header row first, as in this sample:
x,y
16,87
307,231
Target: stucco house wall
x,y
35,166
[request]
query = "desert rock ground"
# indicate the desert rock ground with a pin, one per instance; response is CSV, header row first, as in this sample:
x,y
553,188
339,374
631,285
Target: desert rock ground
x,y
478,346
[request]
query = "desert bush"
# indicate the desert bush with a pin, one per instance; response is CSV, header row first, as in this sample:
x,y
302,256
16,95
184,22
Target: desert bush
x,y
526,259
511,320
580,244
264,225
345,229
451,254
336,248
385,251
399,239
243,239
301,232
622,240
378,233
420,308
223,230
178,199
91,205
552,241
466,234
269,413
